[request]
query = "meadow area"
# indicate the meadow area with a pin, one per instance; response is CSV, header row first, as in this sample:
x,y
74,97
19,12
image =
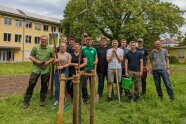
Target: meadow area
x,y
148,110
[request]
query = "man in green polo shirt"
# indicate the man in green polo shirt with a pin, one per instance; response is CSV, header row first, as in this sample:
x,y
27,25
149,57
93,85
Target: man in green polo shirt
x,y
92,60
41,56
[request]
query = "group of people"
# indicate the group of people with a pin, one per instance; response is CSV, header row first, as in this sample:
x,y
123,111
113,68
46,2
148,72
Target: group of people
x,y
110,62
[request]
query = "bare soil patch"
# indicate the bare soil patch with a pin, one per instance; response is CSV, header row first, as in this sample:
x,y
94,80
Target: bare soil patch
x,y
11,85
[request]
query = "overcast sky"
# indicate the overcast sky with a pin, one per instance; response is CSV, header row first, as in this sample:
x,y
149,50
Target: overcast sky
x,y
55,8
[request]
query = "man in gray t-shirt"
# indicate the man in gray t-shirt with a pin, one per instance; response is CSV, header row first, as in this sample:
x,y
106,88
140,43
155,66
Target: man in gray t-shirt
x,y
161,68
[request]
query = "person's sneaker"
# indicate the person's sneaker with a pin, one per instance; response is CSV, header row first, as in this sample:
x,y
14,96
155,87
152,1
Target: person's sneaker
x,y
42,103
100,95
25,104
85,101
161,98
130,98
171,99
143,93
56,103
136,99
109,99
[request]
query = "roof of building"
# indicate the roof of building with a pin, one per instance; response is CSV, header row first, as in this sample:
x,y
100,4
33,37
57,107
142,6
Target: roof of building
x,y
170,41
28,15
178,47
9,10
9,47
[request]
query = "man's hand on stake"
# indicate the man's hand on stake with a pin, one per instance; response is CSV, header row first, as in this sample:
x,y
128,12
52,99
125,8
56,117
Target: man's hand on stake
x,y
57,60
95,63
141,74
76,65
148,69
59,67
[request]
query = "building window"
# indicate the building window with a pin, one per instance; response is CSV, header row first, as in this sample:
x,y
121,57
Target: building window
x,y
19,23
53,29
38,26
7,21
37,40
60,30
45,27
7,37
29,24
6,55
18,38
28,39
181,54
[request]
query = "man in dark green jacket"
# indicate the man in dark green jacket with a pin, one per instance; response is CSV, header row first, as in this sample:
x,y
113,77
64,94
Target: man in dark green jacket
x,y
41,56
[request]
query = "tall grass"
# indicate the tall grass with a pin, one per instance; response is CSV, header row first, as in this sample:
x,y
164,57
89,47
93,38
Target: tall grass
x,y
148,110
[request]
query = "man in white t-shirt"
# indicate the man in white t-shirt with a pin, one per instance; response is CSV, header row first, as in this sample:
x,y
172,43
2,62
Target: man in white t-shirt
x,y
114,58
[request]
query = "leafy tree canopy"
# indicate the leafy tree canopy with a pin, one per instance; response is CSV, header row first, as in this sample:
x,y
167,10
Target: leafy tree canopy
x,y
122,19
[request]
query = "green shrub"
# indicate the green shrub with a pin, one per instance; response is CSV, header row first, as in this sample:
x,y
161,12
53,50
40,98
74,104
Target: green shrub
x,y
173,60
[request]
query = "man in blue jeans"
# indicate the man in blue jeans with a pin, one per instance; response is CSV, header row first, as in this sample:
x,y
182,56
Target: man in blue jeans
x,y
161,68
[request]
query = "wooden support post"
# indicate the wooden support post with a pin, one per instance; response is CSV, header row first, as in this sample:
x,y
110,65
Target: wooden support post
x,y
76,83
61,99
80,98
51,81
92,99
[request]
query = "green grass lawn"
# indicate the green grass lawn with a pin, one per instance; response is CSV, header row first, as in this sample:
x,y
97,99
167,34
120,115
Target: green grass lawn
x,y
15,68
149,110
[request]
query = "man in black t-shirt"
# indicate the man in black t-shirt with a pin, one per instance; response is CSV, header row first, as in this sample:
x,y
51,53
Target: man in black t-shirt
x,y
134,68
102,64
146,62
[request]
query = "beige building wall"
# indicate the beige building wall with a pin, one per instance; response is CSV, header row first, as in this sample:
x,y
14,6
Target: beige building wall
x,y
176,52
13,29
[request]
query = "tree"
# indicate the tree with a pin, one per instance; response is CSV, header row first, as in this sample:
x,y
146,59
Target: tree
x,y
129,19
77,20
184,40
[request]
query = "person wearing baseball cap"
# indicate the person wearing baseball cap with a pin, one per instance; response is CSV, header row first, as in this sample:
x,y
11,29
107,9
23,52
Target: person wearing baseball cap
x,y
146,64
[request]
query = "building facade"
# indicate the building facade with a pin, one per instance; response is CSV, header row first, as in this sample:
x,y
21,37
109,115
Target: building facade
x,y
20,31
178,52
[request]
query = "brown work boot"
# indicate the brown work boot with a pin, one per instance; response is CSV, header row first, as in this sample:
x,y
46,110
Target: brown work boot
x,y
25,104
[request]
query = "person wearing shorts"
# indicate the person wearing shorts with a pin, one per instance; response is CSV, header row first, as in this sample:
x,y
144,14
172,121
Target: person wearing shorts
x,y
114,58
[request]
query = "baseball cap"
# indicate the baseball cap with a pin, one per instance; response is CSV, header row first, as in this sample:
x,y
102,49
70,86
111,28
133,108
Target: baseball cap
x,y
140,39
